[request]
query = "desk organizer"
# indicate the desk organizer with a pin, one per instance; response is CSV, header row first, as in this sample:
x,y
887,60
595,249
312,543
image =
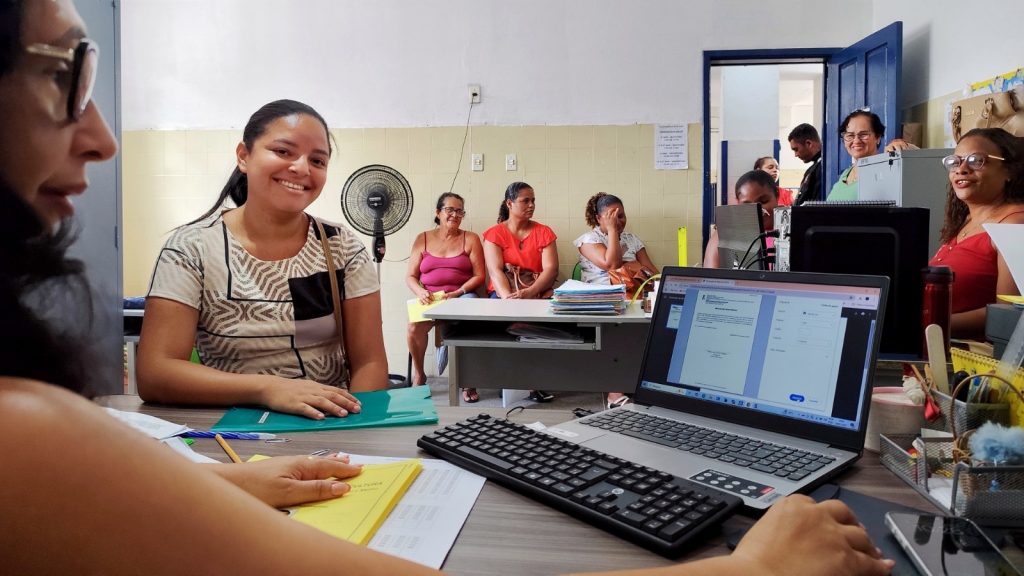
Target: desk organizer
x,y
989,495
974,363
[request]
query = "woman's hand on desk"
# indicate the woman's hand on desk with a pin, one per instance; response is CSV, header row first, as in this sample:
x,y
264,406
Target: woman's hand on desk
x,y
306,398
291,480
797,536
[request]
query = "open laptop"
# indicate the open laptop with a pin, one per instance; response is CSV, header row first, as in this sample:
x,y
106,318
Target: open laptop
x,y
753,382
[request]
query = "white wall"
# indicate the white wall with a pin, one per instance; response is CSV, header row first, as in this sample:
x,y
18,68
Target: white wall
x,y
201,64
948,44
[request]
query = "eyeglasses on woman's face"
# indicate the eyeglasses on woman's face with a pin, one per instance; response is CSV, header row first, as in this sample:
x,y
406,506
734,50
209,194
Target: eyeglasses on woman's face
x,y
80,78
862,136
974,161
453,211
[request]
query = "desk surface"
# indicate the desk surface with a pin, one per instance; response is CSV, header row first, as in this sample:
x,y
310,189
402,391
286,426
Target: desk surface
x,y
494,309
506,533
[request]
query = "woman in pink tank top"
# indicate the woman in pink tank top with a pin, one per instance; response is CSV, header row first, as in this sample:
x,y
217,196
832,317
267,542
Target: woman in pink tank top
x,y
445,262
986,186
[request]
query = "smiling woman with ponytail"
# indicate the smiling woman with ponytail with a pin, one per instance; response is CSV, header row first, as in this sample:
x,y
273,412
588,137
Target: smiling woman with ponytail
x,y
246,283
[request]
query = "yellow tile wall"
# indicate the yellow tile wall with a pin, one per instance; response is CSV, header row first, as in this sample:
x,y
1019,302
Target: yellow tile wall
x,y
171,177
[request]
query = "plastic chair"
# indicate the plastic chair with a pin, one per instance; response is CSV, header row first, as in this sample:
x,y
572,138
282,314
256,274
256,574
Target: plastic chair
x,y
577,271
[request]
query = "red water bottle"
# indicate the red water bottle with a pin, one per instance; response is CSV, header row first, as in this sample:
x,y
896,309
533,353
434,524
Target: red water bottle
x,y
937,301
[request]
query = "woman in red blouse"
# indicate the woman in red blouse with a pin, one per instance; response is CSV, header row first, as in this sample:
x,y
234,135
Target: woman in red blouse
x,y
516,240
986,178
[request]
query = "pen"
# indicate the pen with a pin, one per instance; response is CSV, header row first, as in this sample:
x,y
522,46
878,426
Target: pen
x,y
227,449
230,435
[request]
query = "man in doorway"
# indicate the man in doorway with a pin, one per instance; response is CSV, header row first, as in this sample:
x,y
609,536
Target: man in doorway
x,y
806,145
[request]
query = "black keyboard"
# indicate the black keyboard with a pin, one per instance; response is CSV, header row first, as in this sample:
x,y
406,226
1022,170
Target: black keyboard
x,y
781,461
655,509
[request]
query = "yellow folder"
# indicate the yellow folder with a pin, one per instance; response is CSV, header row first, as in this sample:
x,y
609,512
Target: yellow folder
x,y
417,308
357,515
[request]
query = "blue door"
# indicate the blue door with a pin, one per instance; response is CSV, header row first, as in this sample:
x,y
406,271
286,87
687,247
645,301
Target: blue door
x,y
867,74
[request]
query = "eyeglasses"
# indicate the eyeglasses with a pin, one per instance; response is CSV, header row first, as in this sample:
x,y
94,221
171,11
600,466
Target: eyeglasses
x,y
974,161
862,136
451,211
84,60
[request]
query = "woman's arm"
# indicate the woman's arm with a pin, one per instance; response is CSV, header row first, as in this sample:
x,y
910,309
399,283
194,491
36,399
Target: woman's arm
x,y
364,343
711,252
290,480
412,274
495,262
120,503
645,261
546,278
165,373
476,258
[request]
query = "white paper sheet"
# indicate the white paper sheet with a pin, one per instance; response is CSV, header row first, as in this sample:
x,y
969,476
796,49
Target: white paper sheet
x,y
149,425
1009,240
425,523
670,147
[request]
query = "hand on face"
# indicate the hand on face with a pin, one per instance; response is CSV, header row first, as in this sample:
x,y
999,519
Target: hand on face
x,y
613,218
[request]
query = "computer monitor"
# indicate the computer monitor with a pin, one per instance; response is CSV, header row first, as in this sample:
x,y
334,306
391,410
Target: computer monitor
x,y
876,240
740,241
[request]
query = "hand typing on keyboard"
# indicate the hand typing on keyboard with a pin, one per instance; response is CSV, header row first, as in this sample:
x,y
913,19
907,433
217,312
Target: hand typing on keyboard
x,y
655,509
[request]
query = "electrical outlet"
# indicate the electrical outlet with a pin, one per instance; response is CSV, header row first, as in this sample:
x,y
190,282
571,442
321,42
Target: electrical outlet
x,y
477,162
511,163
474,93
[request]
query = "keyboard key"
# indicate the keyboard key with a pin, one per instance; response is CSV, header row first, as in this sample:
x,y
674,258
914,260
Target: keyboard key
x,y
674,529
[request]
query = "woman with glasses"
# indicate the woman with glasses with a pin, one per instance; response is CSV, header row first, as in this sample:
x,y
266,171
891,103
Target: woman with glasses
x,y
446,260
862,133
521,256
248,285
986,185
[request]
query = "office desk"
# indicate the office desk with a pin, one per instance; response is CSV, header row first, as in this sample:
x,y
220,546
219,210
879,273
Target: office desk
x,y
482,355
506,533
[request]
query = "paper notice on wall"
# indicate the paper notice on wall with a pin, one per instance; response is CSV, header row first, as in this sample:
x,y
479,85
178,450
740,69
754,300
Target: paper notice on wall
x,y
670,147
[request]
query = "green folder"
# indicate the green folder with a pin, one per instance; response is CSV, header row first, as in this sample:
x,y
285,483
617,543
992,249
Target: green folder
x,y
399,407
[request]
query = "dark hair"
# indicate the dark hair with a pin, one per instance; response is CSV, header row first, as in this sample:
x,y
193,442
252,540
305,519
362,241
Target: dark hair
x,y
440,203
756,177
237,186
512,194
599,203
876,123
760,161
803,132
10,34
1011,148
45,301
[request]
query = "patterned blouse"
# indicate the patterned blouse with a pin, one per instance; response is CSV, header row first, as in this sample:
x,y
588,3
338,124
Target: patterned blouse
x,y
258,316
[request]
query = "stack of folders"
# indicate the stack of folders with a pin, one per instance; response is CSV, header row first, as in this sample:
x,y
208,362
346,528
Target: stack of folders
x,y
575,297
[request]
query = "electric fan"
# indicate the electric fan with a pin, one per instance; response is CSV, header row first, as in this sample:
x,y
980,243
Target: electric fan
x,y
377,201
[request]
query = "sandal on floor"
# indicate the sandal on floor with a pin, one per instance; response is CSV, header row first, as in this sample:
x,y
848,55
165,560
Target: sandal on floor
x,y
620,401
541,396
470,396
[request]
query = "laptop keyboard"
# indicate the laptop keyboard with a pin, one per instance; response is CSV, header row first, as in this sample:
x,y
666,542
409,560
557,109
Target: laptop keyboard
x,y
781,461
655,509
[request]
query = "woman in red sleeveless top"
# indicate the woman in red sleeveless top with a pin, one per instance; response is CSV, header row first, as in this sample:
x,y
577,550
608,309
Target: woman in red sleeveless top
x,y
445,259
986,178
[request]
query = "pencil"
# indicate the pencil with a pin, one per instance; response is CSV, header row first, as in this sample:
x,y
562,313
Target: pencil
x,y
227,449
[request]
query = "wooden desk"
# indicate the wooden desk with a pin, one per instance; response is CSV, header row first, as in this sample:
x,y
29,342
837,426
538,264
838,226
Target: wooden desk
x,y
482,355
507,533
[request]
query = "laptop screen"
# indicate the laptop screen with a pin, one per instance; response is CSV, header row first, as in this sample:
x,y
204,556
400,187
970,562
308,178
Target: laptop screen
x,y
783,351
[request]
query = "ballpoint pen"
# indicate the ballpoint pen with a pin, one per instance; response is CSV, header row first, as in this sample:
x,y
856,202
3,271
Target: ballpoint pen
x,y
230,435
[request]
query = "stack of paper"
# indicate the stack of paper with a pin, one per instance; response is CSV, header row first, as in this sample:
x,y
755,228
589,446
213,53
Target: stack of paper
x,y
537,333
575,297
